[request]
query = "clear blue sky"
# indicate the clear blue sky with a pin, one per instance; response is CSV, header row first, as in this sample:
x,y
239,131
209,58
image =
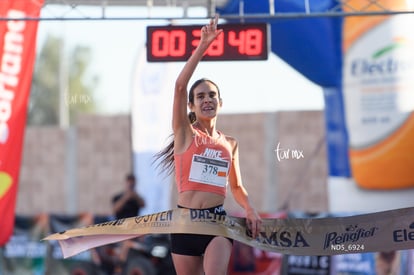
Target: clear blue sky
x,y
250,86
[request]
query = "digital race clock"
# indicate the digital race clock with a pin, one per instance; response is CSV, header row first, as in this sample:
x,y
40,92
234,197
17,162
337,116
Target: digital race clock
x,y
237,42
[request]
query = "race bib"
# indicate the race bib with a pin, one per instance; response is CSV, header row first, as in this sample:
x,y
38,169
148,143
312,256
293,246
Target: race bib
x,y
209,171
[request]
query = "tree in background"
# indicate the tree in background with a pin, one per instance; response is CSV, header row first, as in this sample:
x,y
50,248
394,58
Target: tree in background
x,y
50,75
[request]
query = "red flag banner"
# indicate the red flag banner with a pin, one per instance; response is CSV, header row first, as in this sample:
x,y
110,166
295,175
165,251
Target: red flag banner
x,y
17,55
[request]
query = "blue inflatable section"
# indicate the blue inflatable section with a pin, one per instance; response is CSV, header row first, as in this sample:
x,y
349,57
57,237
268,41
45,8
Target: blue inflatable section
x,y
312,46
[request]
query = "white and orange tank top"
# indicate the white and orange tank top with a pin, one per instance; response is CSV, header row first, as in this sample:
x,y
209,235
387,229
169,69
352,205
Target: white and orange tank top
x,y
205,165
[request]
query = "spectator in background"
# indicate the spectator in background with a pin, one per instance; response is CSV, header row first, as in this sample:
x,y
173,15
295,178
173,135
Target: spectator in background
x,y
127,203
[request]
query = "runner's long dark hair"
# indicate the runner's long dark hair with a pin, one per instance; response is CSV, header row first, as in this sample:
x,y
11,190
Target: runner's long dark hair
x,y
166,155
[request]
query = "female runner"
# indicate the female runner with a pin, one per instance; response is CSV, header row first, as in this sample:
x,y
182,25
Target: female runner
x,y
205,160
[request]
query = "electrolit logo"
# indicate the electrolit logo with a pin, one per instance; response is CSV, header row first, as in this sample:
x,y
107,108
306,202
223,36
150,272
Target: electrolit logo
x,y
390,59
404,235
377,81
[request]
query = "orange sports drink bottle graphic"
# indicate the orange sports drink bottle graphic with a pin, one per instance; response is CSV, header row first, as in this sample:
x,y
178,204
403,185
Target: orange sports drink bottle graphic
x,y
378,88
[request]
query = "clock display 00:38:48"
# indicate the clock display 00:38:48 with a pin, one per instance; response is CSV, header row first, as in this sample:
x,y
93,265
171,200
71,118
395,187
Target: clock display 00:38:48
x,y
237,42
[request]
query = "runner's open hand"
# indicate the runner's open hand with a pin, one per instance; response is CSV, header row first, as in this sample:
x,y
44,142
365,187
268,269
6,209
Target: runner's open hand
x,y
210,32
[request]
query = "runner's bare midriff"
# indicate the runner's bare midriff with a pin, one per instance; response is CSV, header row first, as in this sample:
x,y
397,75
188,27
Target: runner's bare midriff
x,y
199,199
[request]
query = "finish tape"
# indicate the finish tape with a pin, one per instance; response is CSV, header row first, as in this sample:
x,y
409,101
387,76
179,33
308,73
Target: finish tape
x,y
373,232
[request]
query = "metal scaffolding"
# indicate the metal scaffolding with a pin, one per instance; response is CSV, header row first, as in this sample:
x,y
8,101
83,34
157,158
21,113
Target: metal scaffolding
x,y
81,9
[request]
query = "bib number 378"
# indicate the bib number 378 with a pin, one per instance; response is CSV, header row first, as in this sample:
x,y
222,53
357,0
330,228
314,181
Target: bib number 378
x,y
209,171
